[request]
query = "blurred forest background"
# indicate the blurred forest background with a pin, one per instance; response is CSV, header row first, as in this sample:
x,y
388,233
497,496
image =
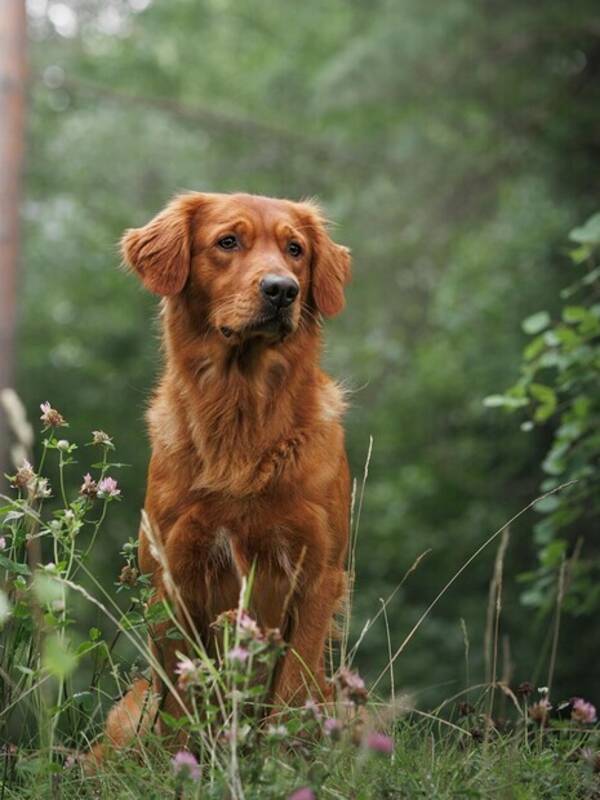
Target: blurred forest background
x,y
455,144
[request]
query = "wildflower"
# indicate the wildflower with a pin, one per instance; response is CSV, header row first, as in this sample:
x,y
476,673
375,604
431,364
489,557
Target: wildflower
x,y
108,488
238,654
2,543
539,712
582,711
128,575
249,626
235,734
24,476
273,637
225,618
50,566
89,487
70,761
72,524
525,689
51,417
352,686
277,731
189,671
185,766
39,488
333,728
379,743
63,445
99,437
313,708
304,793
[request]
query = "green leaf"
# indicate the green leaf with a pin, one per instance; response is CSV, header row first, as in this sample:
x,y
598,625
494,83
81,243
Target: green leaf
x,y
173,722
580,254
550,359
12,516
534,348
131,620
504,401
536,322
547,504
25,670
548,484
14,566
532,598
591,277
574,314
552,554
567,336
551,339
588,233
570,431
4,608
553,464
581,406
157,613
85,647
546,398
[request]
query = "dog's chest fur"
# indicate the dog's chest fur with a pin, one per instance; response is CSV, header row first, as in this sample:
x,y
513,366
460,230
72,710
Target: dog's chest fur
x,y
233,559
227,549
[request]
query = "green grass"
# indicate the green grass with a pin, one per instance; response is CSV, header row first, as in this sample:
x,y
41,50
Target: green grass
x,y
424,764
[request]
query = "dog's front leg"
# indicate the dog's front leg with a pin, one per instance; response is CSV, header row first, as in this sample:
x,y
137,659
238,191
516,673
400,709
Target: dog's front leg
x,y
302,673
171,699
181,580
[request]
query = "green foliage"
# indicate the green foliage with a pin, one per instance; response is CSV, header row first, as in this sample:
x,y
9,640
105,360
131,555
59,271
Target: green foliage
x,y
427,762
560,386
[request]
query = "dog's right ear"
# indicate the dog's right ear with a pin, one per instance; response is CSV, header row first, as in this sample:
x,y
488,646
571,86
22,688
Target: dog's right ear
x,y
160,252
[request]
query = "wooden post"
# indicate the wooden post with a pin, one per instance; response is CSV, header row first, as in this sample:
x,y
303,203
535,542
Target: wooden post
x,y
13,77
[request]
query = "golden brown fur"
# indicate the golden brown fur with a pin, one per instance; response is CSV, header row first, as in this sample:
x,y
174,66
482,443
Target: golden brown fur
x,y
248,461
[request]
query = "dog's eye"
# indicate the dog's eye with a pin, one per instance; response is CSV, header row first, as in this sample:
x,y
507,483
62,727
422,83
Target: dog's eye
x,y
228,243
295,249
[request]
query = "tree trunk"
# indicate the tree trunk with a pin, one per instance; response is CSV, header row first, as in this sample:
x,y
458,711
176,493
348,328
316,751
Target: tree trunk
x,y
12,133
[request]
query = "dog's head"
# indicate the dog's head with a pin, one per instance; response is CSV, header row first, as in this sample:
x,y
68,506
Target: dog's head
x,y
249,266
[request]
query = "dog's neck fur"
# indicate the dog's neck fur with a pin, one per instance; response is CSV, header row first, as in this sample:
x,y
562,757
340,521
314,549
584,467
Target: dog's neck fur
x,y
225,401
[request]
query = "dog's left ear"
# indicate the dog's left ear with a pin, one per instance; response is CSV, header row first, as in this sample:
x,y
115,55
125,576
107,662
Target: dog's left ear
x,y
160,252
331,271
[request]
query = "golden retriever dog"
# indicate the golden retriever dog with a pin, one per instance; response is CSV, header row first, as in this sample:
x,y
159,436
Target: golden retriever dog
x,y
248,465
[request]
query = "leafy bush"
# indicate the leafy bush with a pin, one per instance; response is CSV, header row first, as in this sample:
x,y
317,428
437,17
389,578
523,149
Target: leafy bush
x,y
559,386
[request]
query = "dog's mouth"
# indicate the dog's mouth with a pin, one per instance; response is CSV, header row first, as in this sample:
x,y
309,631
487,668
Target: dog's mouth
x,y
274,326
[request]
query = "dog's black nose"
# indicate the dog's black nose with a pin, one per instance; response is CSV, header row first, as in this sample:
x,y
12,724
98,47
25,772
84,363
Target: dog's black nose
x,y
279,290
